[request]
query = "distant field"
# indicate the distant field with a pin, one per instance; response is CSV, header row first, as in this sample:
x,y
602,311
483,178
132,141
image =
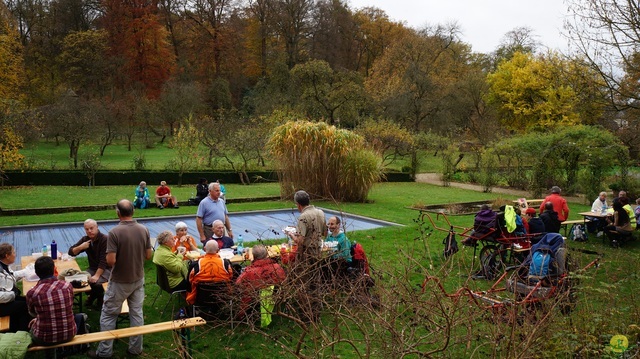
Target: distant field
x,y
46,155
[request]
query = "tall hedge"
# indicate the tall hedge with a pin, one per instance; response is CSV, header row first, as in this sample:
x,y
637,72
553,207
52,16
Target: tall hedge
x,y
323,160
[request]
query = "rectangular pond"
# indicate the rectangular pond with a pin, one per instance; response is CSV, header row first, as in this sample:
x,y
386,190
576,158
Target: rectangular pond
x,y
252,225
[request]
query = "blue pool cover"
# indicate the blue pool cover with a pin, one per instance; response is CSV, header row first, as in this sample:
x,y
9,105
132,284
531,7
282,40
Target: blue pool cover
x,y
252,225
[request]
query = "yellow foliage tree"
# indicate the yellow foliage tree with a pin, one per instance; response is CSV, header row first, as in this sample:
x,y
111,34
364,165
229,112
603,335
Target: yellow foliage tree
x,y
10,145
11,60
540,92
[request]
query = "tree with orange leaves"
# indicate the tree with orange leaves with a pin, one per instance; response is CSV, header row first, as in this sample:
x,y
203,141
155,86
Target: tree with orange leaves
x,y
140,42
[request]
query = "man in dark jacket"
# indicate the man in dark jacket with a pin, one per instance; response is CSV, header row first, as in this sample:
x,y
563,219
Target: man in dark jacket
x,y
550,219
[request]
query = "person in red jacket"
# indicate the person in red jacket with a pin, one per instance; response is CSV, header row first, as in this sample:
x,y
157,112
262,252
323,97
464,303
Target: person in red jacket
x,y
263,272
164,198
559,204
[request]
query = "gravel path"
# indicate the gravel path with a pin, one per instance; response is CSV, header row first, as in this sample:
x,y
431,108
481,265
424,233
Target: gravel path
x,y
434,179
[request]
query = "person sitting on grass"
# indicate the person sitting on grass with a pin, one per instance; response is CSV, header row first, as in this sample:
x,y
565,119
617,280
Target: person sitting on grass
x,y
141,199
164,198
263,272
183,239
173,263
51,303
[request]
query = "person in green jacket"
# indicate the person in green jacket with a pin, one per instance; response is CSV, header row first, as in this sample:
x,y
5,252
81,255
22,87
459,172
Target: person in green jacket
x,y
176,268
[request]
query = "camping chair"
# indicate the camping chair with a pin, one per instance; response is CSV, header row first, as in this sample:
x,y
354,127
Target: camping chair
x,y
163,282
214,301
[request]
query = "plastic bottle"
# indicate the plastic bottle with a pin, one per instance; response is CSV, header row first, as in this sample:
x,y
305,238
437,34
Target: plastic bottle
x,y
44,250
239,245
54,250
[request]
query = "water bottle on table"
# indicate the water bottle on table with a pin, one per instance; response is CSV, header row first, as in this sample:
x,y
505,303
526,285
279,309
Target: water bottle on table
x,y
239,245
54,250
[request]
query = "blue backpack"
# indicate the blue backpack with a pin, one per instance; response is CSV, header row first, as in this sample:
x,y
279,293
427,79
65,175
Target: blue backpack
x,y
540,261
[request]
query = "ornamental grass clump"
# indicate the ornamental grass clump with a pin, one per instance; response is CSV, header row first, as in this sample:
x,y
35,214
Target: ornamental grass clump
x,y
324,161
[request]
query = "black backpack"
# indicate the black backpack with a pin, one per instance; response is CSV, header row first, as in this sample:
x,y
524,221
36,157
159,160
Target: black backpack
x,y
450,244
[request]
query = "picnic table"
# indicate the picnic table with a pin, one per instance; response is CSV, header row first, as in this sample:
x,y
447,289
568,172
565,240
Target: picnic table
x,y
61,266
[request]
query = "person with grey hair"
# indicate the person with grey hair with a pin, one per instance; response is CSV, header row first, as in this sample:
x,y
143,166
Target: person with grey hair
x,y
128,246
94,244
210,268
183,239
142,199
559,204
218,235
172,262
210,209
263,272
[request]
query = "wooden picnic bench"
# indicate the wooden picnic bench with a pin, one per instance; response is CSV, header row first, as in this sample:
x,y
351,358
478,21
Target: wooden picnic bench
x,y
126,332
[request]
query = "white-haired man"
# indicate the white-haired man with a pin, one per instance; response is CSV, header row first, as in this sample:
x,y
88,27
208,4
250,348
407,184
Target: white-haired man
x,y
210,209
94,244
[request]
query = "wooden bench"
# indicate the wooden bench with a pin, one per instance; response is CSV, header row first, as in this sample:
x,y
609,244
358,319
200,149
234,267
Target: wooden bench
x,y
566,224
4,323
126,332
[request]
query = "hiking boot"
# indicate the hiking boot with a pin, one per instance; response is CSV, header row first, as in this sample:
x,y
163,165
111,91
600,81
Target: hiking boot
x,y
160,206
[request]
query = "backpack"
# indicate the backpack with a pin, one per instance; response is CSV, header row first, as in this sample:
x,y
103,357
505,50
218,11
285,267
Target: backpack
x,y
450,244
359,258
540,261
577,233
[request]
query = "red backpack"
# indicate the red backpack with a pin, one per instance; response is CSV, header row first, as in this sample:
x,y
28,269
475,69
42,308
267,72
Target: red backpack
x,y
359,258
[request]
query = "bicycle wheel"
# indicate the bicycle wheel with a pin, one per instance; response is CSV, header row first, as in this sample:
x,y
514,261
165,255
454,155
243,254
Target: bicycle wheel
x,y
491,261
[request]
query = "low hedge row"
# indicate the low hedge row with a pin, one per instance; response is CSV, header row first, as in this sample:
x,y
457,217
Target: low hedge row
x,y
119,178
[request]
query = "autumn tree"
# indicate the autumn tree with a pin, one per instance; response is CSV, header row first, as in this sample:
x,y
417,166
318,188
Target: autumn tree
x,y
293,23
333,38
536,92
388,139
83,61
413,80
11,62
10,146
376,32
177,101
520,39
184,145
138,42
607,34
72,118
335,96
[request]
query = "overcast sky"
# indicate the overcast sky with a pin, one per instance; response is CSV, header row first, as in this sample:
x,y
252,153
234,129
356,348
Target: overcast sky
x,y
483,22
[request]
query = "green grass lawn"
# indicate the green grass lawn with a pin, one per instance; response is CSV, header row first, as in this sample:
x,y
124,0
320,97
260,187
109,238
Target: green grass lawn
x,y
418,321
46,155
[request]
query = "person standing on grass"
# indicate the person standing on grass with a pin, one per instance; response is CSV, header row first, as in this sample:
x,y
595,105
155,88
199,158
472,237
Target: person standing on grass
x,y
95,245
128,246
210,209
306,273
559,204
51,303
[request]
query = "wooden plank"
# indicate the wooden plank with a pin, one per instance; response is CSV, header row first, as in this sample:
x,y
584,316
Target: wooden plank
x,y
4,323
127,332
